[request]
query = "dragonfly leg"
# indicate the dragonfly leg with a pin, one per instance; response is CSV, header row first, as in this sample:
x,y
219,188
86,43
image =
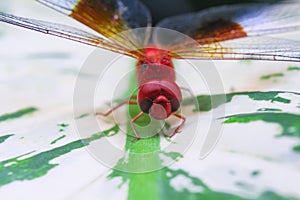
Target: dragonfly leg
x,y
137,137
128,101
180,125
188,90
192,96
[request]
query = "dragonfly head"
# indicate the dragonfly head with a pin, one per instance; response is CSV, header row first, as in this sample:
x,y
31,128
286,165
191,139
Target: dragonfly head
x,y
159,98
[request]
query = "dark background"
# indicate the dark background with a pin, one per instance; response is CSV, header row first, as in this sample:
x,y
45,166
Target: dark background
x,y
164,8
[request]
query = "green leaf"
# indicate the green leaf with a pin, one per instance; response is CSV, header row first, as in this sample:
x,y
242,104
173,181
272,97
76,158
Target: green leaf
x,y
17,114
269,76
290,123
293,68
209,102
5,137
38,165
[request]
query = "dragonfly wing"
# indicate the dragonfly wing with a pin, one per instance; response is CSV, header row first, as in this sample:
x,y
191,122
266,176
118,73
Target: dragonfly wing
x,y
63,31
109,18
248,48
229,22
210,31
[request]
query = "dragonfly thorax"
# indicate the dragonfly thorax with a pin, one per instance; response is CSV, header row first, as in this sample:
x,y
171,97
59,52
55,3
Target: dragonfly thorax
x,y
155,64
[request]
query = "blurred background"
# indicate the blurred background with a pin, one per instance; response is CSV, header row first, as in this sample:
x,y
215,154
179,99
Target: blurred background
x,y
164,8
250,161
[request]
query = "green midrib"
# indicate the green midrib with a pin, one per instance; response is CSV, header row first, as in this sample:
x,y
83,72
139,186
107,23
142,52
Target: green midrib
x,y
142,185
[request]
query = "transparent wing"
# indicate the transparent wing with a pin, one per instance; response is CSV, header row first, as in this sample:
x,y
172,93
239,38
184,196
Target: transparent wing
x,y
109,18
248,48
212,31
63,31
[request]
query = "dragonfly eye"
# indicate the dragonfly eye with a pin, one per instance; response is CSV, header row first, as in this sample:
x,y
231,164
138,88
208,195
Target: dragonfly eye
x,y
159,98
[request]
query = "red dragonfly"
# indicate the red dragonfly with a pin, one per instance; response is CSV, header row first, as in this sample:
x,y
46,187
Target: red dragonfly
x,y
234,32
